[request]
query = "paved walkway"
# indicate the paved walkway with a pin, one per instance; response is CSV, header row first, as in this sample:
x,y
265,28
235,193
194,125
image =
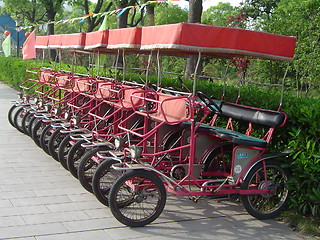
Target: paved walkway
x,y
39,200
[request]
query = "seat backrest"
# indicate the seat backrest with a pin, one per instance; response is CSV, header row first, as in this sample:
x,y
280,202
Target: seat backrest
x,y
171,109
254,115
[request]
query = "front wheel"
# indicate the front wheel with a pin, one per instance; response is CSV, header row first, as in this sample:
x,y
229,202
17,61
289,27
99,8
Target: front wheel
x,y
137,198
103,179
265,206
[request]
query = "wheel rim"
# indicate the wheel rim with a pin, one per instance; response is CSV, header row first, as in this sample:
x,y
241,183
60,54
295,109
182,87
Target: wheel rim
x,y
277,182
56,142
137,199
106,180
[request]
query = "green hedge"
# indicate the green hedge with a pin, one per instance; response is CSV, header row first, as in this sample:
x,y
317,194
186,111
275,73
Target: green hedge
x,y
300,135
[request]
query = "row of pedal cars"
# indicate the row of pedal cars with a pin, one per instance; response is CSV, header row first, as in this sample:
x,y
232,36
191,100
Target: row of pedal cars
x,y
131,143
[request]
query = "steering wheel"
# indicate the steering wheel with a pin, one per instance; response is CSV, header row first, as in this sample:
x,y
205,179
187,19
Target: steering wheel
x,y
210,103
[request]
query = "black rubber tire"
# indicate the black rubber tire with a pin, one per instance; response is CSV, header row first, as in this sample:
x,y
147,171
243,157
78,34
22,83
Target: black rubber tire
x,y
219,159
25,122
37,130
126,209
33,121
17,119
45,136
12,111
63,151
266,206
54,142
74,156
103,179
87,167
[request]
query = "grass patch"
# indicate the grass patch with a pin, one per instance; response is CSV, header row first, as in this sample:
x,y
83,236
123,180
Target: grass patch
x,y
307,226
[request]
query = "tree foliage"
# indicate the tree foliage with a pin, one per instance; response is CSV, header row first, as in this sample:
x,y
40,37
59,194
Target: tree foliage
x,y
259,8
218,15
168,13
27,10
300,19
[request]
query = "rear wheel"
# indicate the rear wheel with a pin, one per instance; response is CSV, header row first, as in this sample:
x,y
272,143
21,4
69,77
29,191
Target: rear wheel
x,y
37,130
54,142
87,166
103,179
218,160
32,123
74,155
17,119
45,136
137,198
264,206
64,149
12,111
25,122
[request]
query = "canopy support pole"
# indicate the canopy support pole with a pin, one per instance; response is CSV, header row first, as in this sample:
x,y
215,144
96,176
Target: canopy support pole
x,y
148,67
116,65
159,69
123,65
195,74
282,87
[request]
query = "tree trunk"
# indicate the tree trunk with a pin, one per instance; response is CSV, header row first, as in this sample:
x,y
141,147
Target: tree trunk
x,y
123,18
195,12
150,15
51,16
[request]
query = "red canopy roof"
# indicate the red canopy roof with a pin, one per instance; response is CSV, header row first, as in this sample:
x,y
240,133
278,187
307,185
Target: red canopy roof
x,y
180,39
96,40
213,41
73,40
42,41
124,38
54,41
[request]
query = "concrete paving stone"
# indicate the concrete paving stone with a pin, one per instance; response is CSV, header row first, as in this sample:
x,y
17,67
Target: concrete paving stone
x,y
23,164
147,232
55,217
92,224
8,171
17,211
11,221
99,213
71,183
14,175
224,227
82,197
34,169
5,203
33,201
60,191
75,206
22,238
26,187
88,235
17,194
31,230
8,181
51,178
